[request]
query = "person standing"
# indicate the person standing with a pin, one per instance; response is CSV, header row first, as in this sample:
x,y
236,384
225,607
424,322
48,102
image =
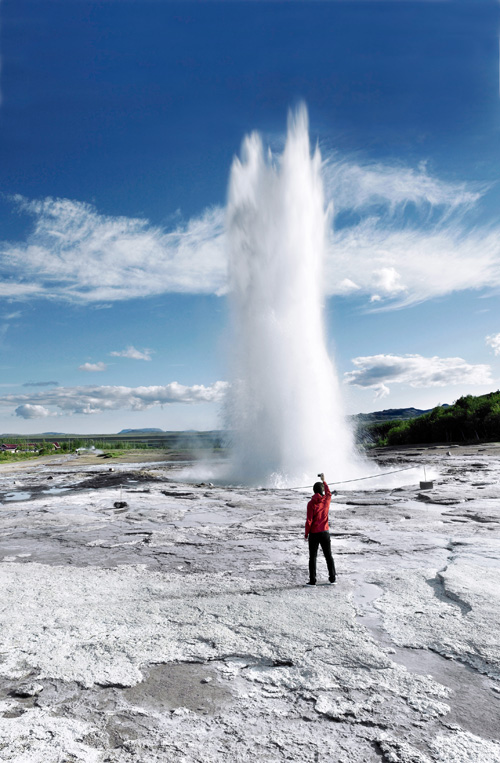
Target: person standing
x,y
317,531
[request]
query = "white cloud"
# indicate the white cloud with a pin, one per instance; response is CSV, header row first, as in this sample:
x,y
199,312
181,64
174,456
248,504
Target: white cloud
x,y
347,286
93,367
407,237
355,186
96,399
9,288
5,323
494,342
133,353
408,266
28,411
381,390
77,254
389,281
377,371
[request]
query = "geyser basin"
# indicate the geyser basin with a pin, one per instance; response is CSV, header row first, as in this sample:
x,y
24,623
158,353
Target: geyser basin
x,y
284,405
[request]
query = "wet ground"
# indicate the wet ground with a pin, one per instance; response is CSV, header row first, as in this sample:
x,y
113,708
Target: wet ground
x,y
144,618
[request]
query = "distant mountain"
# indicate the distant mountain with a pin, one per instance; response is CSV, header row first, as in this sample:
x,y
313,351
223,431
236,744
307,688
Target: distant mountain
x,y
393,413
140,431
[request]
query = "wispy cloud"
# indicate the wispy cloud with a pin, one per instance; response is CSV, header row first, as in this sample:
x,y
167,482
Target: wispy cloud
x,y
400,236
41,384
92,367
96,399
494,342
356,186
133,353
408,266
378,371
5,323
77,254
407,237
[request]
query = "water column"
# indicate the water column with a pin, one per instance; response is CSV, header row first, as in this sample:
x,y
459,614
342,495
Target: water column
x,y
284,408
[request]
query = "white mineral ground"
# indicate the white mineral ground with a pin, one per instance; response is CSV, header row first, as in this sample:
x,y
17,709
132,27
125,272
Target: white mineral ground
x,y
178,628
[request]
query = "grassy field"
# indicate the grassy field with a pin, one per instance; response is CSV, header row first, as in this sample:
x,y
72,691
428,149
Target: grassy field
x,y
172,445
11,457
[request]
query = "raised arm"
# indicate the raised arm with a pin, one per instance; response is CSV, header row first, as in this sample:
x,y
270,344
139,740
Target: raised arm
x,y
327,489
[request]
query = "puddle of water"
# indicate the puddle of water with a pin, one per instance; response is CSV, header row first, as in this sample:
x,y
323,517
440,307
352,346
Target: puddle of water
x,y
56,490
167,687
17,496
474,706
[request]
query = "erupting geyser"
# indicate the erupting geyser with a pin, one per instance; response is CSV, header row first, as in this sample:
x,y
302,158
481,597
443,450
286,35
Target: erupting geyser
x,y
284,406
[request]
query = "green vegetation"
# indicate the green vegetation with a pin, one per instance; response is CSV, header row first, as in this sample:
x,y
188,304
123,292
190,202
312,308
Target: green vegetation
x,y
30,448
104,444
469,419
178,445
10,457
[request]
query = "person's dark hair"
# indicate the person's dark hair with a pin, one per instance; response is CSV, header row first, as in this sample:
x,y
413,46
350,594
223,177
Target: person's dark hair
x,y
318,488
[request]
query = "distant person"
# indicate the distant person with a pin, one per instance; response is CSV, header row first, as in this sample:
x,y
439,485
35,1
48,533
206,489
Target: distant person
x,y
317,529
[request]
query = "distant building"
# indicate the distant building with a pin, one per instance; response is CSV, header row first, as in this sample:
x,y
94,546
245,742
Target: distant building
x,y
5,447
30,447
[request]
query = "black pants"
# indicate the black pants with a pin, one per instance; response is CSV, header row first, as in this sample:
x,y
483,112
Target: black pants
x,y
323,540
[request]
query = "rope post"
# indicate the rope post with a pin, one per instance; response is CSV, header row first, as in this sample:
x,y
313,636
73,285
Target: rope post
x,y
426,485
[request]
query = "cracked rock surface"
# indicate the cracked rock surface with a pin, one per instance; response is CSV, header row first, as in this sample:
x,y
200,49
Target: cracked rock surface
x,y
177,626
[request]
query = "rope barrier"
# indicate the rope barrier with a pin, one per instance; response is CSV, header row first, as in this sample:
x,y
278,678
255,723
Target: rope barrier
x,y
358,479
342,482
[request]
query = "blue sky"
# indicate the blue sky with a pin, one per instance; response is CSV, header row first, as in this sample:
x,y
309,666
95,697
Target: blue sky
x,y
119,121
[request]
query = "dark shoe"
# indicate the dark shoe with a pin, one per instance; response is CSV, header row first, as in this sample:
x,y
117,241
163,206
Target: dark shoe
x,y
332,582
309,583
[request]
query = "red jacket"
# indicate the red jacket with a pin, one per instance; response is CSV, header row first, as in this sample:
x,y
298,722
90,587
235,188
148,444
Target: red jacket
x,y
317,512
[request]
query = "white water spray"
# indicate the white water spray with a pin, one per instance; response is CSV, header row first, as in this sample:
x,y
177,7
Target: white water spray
x,y
284,406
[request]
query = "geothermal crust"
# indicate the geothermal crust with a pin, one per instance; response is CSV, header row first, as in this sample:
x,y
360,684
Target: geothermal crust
x,y
177,626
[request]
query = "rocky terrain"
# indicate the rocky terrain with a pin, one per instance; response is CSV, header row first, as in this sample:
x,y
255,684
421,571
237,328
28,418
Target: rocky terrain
x,y
143,618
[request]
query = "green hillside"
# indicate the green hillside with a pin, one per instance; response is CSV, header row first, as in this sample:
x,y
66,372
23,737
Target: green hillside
x,y
469,419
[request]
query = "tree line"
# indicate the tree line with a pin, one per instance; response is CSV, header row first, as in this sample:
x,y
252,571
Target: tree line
x,y
469,419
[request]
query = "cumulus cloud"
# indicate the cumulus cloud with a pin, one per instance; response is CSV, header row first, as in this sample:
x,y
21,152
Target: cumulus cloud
x,y
133,353
494,342
377,371
400,236
93,367
96,399
28,411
